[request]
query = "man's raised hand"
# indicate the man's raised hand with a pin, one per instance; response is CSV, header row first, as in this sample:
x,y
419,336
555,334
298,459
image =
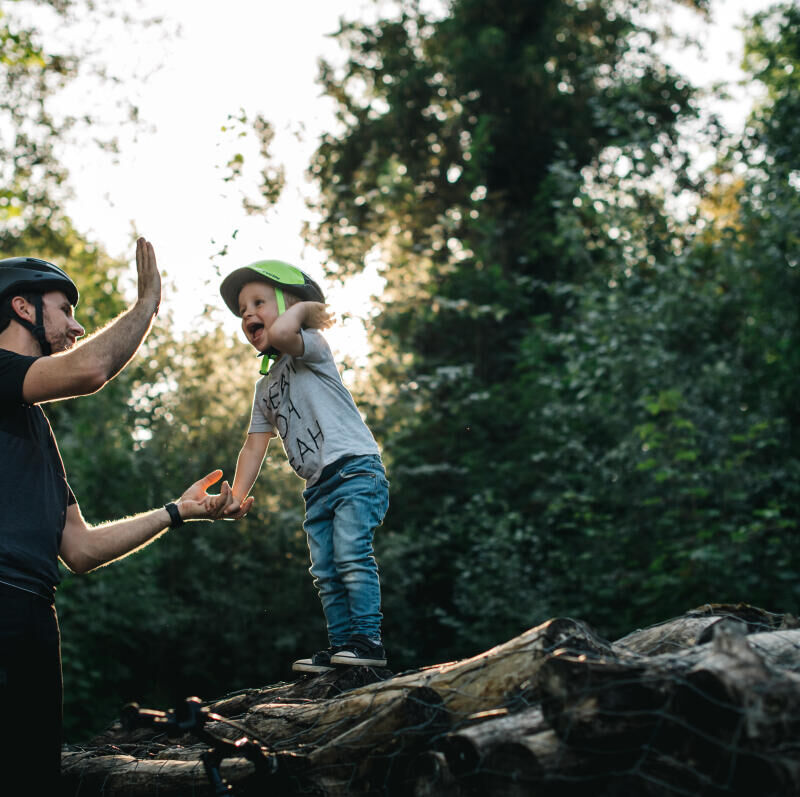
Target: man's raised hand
x,y
147,273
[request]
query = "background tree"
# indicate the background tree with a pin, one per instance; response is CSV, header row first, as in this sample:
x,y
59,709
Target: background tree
x,y
571,429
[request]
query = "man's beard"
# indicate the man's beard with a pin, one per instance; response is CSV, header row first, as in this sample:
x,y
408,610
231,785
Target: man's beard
x,y
62,343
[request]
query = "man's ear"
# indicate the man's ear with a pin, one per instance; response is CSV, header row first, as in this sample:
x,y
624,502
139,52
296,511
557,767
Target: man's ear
x,y
23,308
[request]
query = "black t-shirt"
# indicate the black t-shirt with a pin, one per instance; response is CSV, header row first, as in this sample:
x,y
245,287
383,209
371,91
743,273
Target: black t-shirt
x,y
34,493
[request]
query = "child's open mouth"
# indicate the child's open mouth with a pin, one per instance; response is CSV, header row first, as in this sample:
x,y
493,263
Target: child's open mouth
x,y
254,329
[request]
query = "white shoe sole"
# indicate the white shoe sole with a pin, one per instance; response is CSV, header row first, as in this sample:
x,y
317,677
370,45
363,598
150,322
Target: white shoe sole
x,y
352,661
302,666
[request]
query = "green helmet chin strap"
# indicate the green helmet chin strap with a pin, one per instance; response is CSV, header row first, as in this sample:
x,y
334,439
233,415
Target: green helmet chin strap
x,y
266,359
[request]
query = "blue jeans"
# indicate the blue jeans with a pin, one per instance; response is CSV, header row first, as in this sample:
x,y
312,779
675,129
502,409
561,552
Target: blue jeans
x,y
343,509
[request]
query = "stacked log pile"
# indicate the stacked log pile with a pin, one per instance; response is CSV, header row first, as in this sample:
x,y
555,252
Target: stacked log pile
x,y
705,704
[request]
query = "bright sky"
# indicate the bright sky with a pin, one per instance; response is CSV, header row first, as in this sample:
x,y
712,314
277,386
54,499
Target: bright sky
x,y
261,57
167,182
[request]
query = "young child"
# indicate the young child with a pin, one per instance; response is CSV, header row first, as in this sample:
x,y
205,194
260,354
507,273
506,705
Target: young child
x,y
301,397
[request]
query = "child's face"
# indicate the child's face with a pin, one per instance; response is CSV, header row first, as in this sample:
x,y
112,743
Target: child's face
x,y
259,309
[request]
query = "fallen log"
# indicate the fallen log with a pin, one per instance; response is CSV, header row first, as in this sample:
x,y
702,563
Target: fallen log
x,y
364,753
420,714
126,776
322,722
708,704
746,708
467,748
498,676
696,627
725,707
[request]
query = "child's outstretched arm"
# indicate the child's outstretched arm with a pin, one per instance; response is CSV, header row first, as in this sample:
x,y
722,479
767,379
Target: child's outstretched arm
x,y
284,334
248,465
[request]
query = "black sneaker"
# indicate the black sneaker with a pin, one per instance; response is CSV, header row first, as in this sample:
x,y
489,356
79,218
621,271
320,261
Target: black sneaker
x,y
360,651
319,662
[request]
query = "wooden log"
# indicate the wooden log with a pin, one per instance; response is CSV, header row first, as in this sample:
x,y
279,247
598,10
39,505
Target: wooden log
x,y
656,774
126,776
300,725
696,628
489,679
669,638
493,678
305,689
778,648
743,710
277,726
604,704
467,747
364,754
418,715
509,753
721,705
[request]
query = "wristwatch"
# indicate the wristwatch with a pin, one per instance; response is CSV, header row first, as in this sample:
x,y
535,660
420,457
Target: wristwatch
x,y
175,515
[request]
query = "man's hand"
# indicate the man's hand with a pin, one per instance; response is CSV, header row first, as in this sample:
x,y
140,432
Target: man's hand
x,y
147,272
197,503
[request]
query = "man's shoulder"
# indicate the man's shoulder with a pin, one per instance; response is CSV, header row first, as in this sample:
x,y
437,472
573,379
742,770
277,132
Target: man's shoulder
x,y
8,356
13,367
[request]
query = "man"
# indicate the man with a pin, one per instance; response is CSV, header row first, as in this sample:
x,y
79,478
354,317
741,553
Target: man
x,y
40,520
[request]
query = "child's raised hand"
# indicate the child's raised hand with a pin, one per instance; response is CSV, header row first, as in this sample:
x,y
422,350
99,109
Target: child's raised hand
x,y
318,316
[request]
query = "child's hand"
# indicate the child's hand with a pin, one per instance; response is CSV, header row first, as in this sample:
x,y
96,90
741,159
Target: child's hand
x,y
318,316
214,505
235,510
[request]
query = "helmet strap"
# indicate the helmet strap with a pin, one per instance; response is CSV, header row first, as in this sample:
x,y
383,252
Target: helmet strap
x,y
266,360
37,329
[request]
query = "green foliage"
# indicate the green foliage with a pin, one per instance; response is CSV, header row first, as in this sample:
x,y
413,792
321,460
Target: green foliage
x,y
592,408
29,171
272,177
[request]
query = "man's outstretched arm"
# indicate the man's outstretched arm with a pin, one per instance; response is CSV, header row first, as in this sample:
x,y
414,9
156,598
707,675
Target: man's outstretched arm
x,y
85,548
93,362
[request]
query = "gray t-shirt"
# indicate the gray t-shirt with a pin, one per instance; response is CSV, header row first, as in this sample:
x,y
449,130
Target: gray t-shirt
x,y
303,400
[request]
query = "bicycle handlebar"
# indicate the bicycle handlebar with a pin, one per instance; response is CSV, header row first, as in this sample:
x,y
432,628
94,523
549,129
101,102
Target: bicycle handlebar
x,y
188,718
191,717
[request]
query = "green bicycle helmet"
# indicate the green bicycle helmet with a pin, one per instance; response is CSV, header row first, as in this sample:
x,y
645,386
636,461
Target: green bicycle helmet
x,y
283,277
20,275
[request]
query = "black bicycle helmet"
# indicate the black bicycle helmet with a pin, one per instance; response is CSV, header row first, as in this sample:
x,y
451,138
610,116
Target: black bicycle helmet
x,y
20,275
275,272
